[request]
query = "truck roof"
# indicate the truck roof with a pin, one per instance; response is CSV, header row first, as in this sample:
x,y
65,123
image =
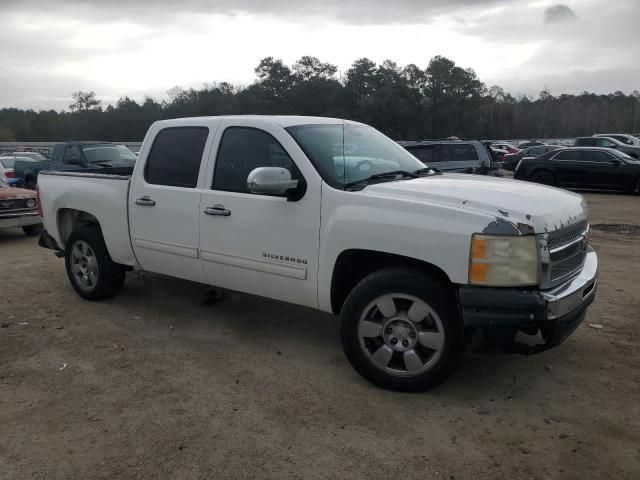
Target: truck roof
x,y
282,120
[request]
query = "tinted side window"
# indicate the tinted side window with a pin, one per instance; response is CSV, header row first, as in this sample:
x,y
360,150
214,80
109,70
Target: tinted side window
x,y
71,154
599,157
621,139
175,157
603,142
423,153
458,153
567,155
533,151
244,149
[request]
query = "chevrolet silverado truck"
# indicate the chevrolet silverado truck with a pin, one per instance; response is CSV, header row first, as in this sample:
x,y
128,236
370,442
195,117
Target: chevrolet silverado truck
x,y
331,214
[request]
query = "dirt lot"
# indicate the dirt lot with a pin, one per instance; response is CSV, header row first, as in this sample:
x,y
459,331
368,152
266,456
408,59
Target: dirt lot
x,y
162,384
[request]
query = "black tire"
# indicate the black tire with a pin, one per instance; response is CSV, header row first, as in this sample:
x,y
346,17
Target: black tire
x,y
32,230
110,275
543,177
439,297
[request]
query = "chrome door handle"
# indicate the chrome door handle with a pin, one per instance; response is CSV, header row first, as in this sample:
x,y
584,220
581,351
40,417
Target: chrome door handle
x,y
217,210
145,201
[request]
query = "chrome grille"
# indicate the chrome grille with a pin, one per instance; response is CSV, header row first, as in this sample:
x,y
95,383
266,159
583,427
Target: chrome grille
x,y
567,251
13,204
566,267
566,235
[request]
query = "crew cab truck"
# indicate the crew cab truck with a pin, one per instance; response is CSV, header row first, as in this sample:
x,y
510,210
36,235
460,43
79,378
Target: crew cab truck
x,y
333,215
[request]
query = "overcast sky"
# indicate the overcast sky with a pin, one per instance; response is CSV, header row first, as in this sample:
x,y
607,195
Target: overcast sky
x,y
50,48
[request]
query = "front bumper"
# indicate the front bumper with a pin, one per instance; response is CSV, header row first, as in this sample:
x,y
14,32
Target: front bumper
x,y
19,219
527,321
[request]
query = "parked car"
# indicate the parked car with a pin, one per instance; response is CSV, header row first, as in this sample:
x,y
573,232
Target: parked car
x,y
417,264
499,153
461,156
33,155
7,170
530,143
510,160
583,167
19,208
76,156
505,146
607,142
621,137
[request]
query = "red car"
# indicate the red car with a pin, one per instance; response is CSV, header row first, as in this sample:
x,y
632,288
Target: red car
x,y
505,146
19,209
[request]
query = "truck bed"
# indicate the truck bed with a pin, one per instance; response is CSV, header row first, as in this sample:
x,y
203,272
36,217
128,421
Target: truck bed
x,y
102,195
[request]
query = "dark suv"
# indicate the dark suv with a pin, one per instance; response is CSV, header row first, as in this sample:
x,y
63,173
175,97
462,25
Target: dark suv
x,y
608,142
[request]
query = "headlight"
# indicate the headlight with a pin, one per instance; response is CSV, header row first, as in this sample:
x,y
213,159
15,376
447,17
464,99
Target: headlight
x,y
504,261
31,203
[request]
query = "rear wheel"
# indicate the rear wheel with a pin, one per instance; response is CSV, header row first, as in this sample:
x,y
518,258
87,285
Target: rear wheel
x,y
400,330
90,269
32,230
545,178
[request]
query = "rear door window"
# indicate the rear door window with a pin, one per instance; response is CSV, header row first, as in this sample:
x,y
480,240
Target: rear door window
x,y
175,157
597,157
463,152
424,153
568,155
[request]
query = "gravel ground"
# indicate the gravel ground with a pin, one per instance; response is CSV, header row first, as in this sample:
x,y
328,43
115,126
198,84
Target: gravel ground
x,y
161,382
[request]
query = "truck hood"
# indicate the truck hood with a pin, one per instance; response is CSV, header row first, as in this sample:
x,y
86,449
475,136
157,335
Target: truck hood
x,y
529,207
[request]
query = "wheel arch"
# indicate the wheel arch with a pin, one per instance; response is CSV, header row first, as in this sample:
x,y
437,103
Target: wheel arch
x,y
542,169
69,220
353,265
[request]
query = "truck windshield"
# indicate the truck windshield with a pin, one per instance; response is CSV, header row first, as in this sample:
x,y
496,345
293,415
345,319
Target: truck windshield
x,y
113,155
346,153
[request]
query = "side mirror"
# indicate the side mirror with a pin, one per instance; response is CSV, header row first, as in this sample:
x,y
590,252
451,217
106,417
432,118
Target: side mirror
x,y
271,181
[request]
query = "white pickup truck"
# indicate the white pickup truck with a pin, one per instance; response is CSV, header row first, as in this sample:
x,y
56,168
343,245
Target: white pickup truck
x,y
333,215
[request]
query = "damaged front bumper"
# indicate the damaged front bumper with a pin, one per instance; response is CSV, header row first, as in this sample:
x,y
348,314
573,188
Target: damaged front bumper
x,y
527,321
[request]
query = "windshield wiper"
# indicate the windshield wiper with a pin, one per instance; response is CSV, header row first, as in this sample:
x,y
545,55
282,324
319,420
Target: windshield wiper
x,y
393,175
427,170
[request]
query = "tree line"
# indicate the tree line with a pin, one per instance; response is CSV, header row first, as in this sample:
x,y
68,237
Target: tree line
x,y
407,102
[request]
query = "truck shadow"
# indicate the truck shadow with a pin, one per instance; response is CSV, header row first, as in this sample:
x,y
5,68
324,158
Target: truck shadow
x,y
310,339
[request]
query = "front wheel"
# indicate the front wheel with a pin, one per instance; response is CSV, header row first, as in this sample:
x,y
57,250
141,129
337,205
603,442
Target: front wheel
x,y
545,178
90,269
401,330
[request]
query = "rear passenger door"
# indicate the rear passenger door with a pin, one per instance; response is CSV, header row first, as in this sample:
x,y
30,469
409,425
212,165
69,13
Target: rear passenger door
x,y
458,157
569,169
427,154
164,202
